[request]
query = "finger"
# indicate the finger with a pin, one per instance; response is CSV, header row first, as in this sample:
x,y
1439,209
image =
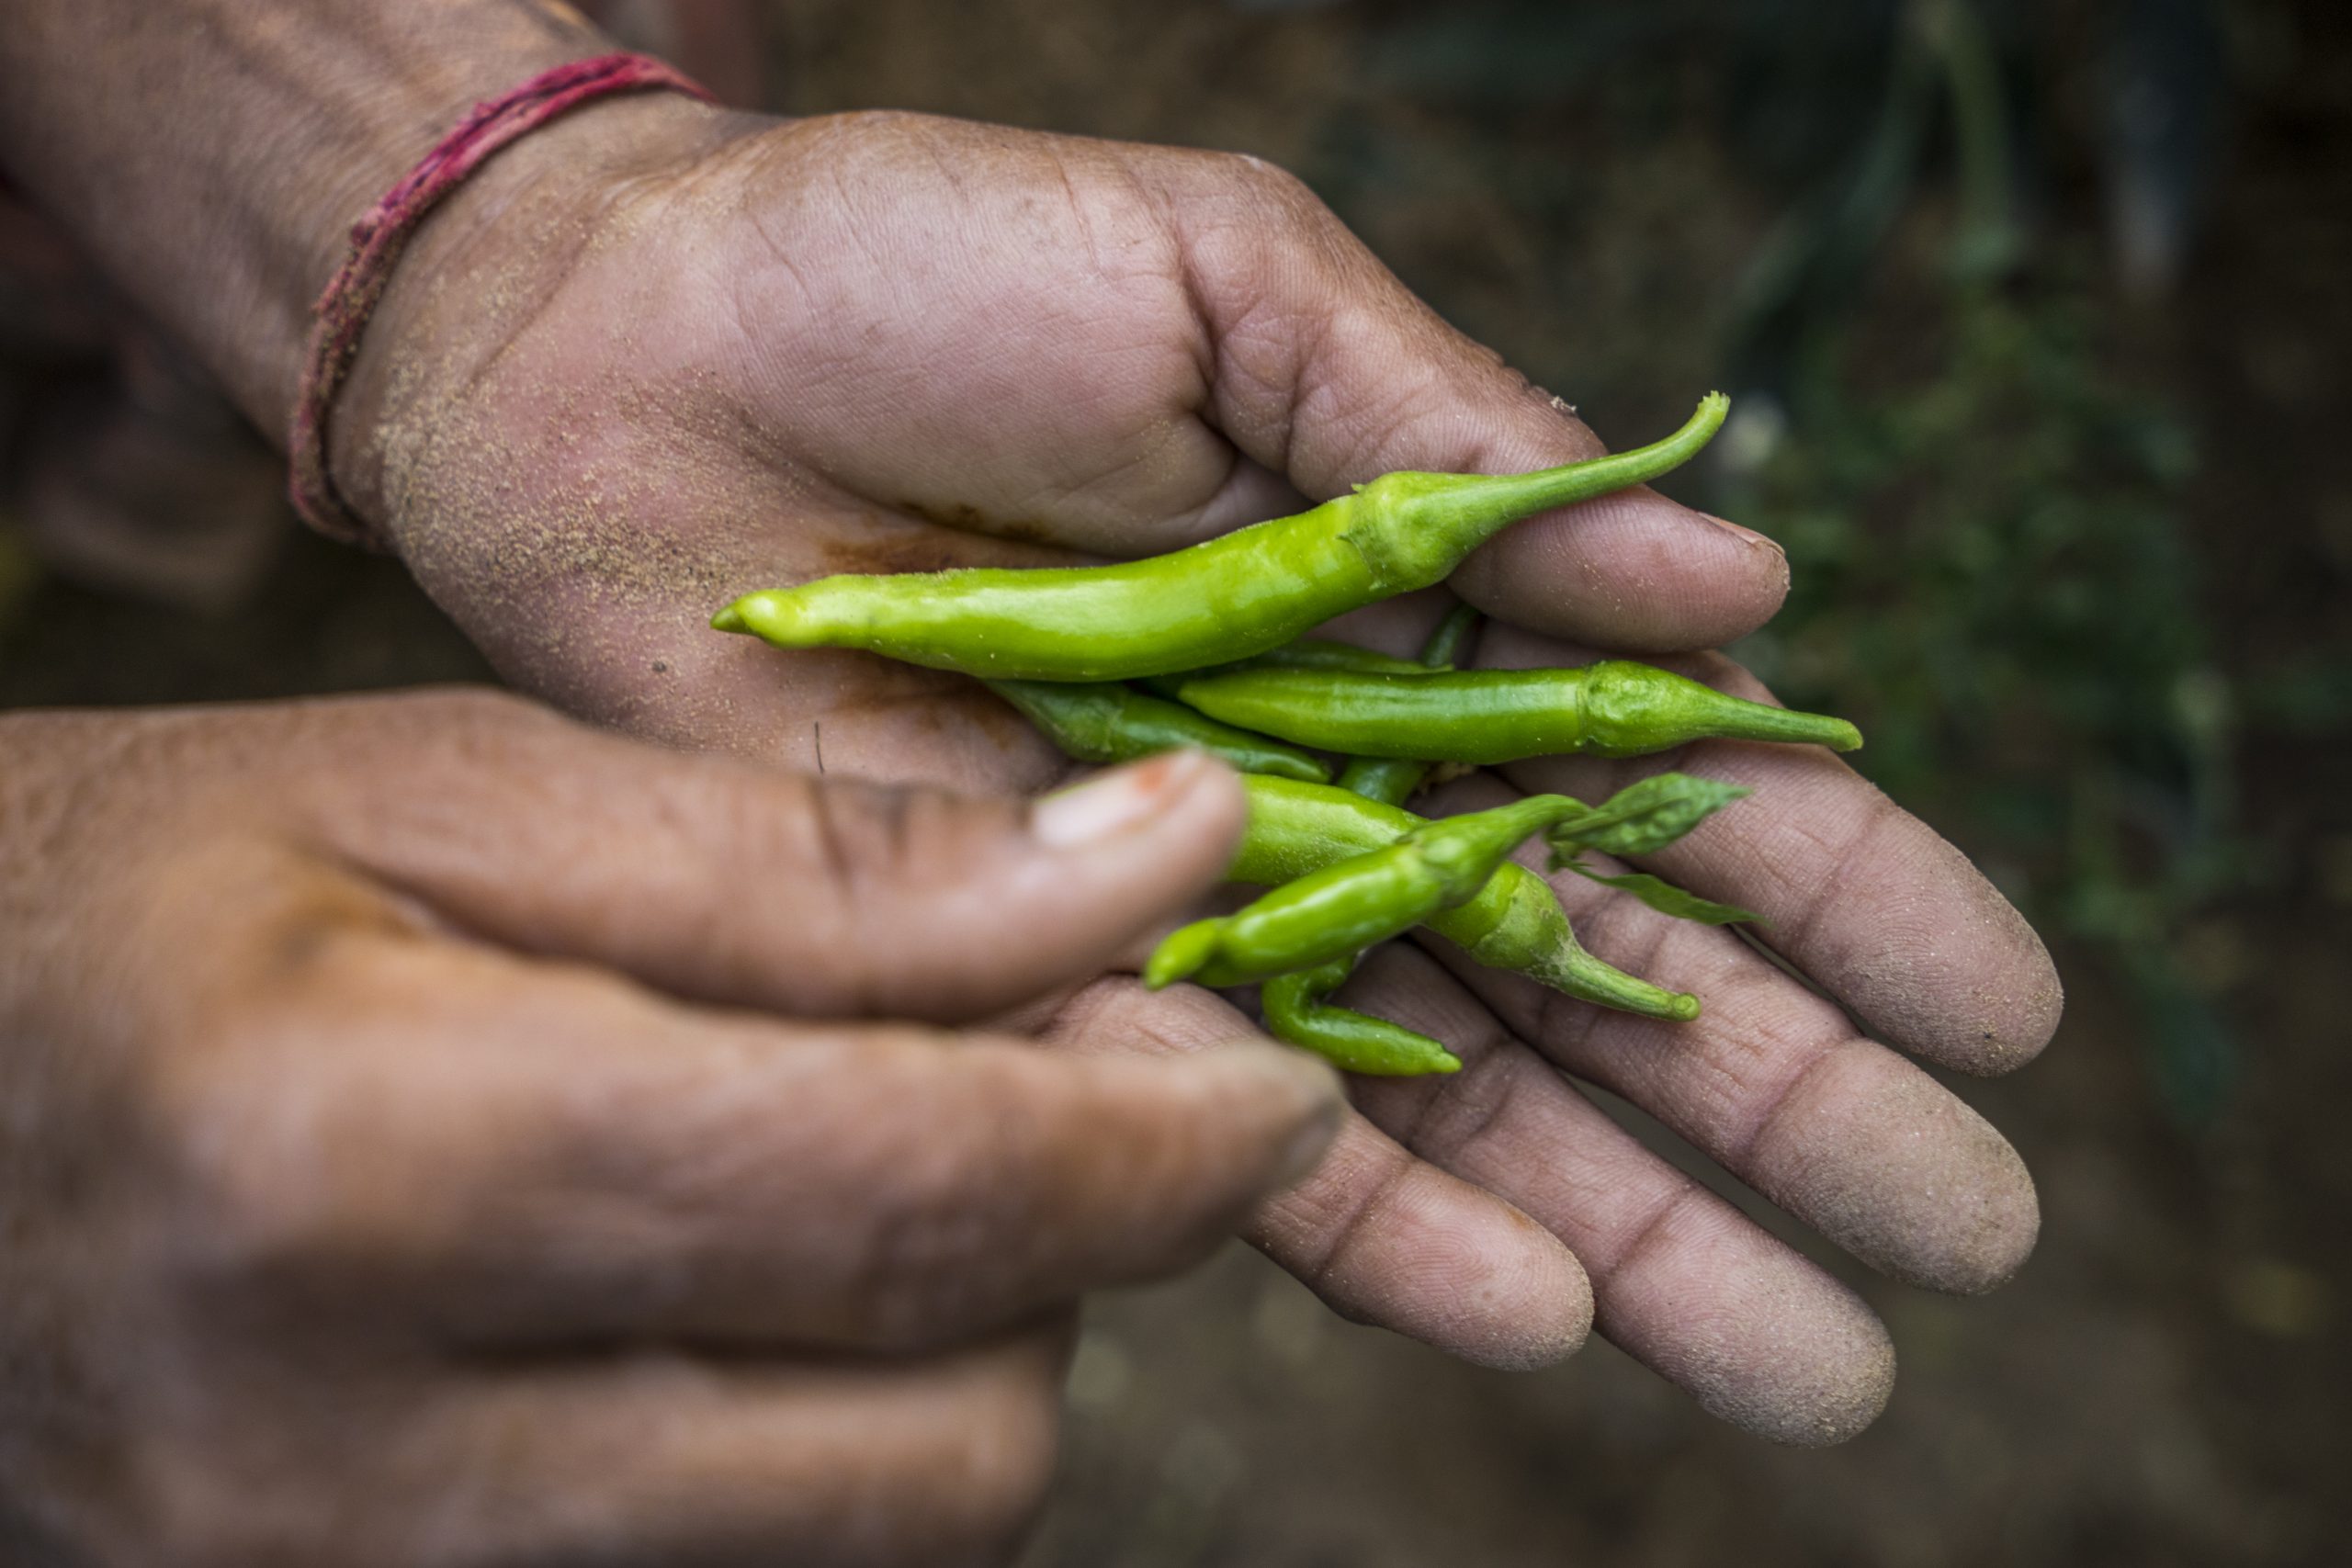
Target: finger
x,y
1682,1281
662,1458
1383,1238
733,884
1326,369
1860,894
510,1152
1773,1083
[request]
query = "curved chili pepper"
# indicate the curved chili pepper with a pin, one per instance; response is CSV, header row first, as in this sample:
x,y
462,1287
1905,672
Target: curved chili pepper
x,y
1614,708
1294,1010
1514,922
1223,599
1105,722
1347,906
1394,779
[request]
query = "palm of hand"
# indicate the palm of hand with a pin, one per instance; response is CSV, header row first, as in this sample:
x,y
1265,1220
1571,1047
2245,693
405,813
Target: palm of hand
x,y
891,343
823,350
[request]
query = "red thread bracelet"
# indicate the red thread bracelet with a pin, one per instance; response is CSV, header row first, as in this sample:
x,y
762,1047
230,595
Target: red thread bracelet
x,y
378,237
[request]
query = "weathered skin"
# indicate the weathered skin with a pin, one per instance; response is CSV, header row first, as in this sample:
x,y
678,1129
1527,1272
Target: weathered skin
x,y
427,1097
643,362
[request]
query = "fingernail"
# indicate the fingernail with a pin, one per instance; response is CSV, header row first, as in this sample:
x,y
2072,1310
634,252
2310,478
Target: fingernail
x,y
1115,802
1746,536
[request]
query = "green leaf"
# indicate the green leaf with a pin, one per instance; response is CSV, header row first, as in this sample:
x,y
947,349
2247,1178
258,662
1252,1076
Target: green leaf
x,y
1644,818
1668,899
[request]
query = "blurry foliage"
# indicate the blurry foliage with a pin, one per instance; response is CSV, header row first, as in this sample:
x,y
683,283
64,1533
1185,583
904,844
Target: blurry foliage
x,y
1991,577
1993,573
1947,404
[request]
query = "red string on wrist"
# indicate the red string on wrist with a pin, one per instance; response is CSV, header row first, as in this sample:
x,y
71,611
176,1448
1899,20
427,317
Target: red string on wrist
x,y
378,237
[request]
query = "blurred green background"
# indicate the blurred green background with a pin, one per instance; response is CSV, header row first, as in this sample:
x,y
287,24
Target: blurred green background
x,y
2036,319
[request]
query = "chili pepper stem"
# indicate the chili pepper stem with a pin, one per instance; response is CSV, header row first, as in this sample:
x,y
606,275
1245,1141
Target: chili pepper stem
x,y
1476,507
1631,708
1530,934
1593,981
1790,725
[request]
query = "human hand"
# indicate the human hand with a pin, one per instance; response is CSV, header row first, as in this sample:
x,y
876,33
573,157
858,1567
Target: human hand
x,y
438,1134
666,356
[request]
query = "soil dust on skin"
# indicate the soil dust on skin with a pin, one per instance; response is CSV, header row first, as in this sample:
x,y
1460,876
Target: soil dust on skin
x,y
2162,1384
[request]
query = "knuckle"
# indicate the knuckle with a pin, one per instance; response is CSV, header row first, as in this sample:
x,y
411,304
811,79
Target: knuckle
x,y
933,1251
244,1209
927,1266
814,841
1467,1106
1105,1012
1334,1271
1275,183
897,833
894,861
853,123
250,1153
1008,1462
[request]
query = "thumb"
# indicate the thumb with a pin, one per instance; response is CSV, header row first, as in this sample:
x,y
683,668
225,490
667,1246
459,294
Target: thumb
x,y
738,884
1329,370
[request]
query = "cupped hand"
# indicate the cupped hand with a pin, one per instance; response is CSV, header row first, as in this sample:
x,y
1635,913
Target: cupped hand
x,y
439,1134
665,356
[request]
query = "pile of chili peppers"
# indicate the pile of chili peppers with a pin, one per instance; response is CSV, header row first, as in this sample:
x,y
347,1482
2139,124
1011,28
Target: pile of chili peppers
x,y
1213,635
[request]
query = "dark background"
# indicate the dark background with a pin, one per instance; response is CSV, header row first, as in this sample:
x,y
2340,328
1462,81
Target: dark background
x,y
2036,319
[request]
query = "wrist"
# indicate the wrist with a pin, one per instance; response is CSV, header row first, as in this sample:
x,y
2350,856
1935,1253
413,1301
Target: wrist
x,y
487,259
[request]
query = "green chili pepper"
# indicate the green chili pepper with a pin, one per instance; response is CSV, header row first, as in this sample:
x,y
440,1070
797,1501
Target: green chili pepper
x,y
1515,922
1223,599
1394,779
1294,1010
1347,906
1614,708
1105,722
